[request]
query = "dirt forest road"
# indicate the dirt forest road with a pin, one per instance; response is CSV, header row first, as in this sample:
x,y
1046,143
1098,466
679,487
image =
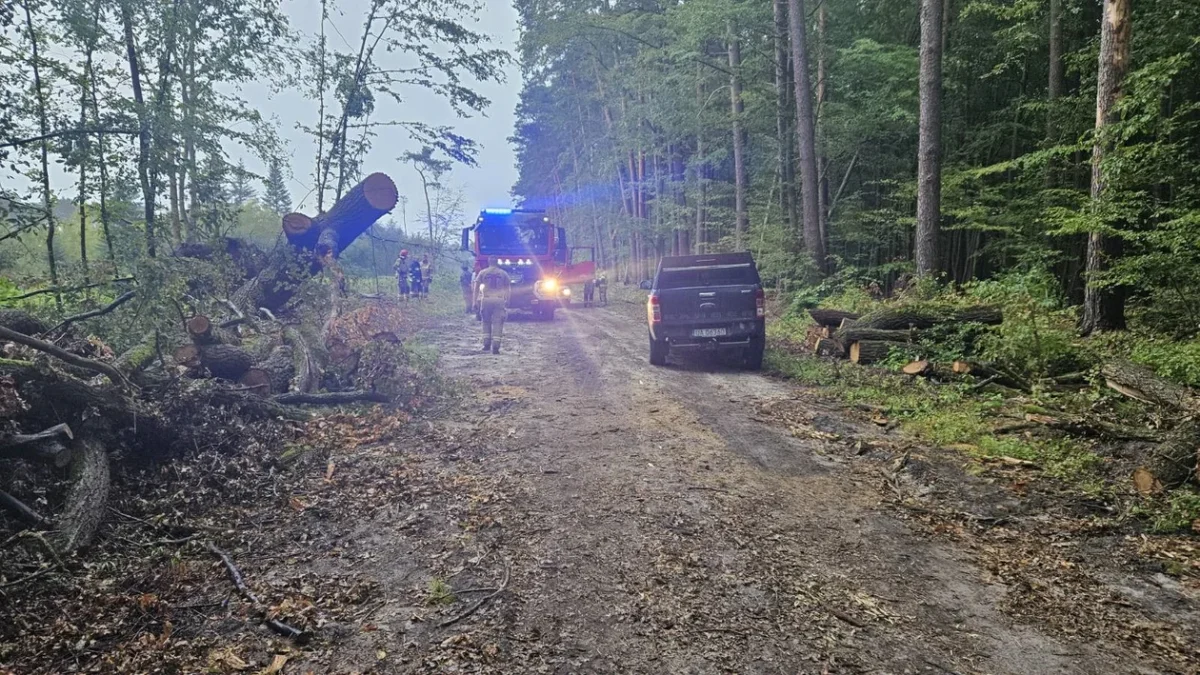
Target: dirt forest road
x,y
610,517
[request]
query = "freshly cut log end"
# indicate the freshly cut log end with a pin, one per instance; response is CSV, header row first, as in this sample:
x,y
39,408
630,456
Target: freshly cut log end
x,y
921,367
871,351
256,381
962,367
380,191
295,224
200,328
187,355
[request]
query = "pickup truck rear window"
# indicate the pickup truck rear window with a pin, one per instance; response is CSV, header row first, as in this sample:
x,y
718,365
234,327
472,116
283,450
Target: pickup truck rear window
x,y
717,275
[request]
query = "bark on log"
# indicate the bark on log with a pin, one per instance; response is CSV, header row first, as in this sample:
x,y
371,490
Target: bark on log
x,y
280,367
45,446
60,353
871,351
331,398
225,361
1142,384
893,318
308,369
22,322
829,347
831,317
247,256
856,333
87,497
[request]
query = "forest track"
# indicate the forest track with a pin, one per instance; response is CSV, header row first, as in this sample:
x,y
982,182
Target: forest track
x,y
651,520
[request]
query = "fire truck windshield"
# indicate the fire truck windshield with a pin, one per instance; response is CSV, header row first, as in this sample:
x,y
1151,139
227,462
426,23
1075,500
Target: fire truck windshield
x,y
513,234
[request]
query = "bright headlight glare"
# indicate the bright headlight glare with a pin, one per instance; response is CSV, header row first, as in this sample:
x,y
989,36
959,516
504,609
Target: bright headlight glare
x,y
549,284
567,292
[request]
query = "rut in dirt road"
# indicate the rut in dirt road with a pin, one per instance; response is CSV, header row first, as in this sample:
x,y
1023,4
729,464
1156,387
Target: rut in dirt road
x,y
652,524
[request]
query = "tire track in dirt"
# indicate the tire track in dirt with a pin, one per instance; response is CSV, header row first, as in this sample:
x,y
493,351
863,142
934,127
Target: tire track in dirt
x,y
653,525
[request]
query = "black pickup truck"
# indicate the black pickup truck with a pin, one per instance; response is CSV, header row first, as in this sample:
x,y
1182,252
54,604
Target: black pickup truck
x,y
707,302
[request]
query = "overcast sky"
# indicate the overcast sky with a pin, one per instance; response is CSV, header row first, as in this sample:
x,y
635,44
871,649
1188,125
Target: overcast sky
x,y
485,185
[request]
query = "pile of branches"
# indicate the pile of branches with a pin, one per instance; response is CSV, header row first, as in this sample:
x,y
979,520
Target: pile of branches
x,y
69,405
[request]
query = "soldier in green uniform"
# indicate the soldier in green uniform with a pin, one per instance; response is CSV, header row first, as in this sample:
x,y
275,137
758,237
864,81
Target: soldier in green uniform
x,y
493,287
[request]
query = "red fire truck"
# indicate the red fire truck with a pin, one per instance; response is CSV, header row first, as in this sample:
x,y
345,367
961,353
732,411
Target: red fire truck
x,y
535,254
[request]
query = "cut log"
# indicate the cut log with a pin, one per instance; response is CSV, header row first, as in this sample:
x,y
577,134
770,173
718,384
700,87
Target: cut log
x,y
280,367
85,503
961,367
1142,384
916,316
856,333
187,355
248,257
225,361
296,224
46,446
22,322
831,317
200,329
829,347
921,367
872,351
1174,461
331,398
256,381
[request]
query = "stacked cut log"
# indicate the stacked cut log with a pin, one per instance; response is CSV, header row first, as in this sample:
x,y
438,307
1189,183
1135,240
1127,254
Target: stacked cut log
x,y
871,338
1176,459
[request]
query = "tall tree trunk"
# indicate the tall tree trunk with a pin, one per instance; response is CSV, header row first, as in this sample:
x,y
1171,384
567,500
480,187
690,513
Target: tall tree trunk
x,y
44,129
783,127
103,161
84,156
143,163
806,135
701,166
822,97
1055,84
929,163
742,217
1104,308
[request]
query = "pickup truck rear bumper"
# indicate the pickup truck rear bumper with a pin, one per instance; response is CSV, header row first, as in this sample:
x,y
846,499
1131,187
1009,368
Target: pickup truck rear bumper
x,y
736,334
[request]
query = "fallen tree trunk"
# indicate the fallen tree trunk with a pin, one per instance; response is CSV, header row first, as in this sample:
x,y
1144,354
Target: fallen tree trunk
x,y
893,318
60,353
256,381
87,497
855,333
872,351
308,369
225,361
280,367
828,347
830,317
331,398
1142,384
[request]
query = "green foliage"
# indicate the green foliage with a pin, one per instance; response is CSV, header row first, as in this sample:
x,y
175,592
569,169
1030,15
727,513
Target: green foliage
x,y
1173,513
1179,361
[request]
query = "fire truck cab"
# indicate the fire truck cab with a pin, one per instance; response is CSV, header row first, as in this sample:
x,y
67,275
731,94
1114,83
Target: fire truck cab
x,y
535,254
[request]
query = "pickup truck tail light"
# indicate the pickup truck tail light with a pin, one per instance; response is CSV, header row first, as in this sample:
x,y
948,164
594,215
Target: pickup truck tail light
x,y
654,309
760,303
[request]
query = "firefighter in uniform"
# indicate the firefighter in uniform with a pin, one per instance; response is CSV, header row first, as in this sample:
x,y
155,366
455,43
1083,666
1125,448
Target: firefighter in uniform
x,y
602,287
465,280
493,287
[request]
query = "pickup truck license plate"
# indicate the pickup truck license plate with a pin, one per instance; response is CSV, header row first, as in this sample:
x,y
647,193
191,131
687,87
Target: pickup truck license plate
x,y
709,332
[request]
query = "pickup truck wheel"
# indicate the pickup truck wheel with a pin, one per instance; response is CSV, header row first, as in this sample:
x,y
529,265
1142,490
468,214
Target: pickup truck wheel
x,y
658,352
753,356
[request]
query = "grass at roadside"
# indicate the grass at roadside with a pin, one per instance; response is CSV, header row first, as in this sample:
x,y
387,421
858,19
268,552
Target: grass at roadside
x,y
945,415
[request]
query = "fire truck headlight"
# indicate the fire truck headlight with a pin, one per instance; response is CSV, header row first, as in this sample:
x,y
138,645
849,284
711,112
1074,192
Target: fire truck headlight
x,y
566,292
549,285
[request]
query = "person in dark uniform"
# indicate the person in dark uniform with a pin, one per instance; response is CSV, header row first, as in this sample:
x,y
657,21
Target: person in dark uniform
x,y
426,275
415,278
464,280
493,288
401,268
602,287
589,292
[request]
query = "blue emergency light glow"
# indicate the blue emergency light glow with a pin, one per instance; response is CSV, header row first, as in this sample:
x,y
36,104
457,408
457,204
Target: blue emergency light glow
x,y
498,212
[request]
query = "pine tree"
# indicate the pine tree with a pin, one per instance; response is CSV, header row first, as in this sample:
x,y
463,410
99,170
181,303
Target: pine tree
x,y
276,196
240,191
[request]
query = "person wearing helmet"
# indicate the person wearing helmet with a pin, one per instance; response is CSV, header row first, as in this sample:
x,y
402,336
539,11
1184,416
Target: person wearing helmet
x,y
493,288
464,280
401,268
